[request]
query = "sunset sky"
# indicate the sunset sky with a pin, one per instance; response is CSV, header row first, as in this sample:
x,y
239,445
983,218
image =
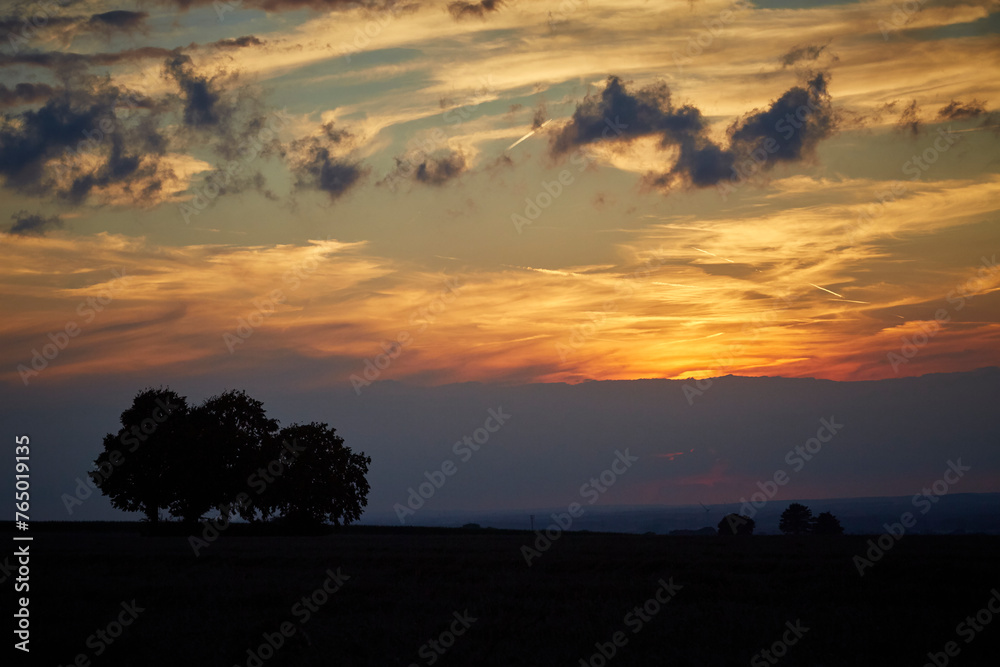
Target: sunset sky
x,y
391,173
502,192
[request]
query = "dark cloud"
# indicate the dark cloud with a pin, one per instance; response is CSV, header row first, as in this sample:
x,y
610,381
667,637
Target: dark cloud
x,y
788,130
876,115
323,162
541,115
21,27
33,224
702,162
24,93
274,5
800,53
440,170
57,60
232,119
502,161
332,175
239,42
40,149
120,166
434,168
335,134
118,20
909,120
30,139
797,121
201,98
463,10
218,109
962,110
618,114
78,144
61,61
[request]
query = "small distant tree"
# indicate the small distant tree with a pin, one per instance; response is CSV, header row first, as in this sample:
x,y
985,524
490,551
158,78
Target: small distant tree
x,y
827,524
796,520
736,524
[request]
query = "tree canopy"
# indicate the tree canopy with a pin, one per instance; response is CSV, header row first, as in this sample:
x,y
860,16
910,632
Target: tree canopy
x,y
190,460
736,524
796,520
827,524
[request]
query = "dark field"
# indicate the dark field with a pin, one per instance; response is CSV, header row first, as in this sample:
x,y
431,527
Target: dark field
x,y
405,586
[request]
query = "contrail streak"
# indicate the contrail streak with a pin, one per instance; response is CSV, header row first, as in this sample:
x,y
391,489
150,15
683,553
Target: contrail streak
x,y
529,134
827,290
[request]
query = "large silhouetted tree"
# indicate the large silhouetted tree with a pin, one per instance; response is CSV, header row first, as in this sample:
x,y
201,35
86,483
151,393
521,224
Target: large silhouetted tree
x,y
229,434
827,524
317,479
134,470
736,524
796,520
189,460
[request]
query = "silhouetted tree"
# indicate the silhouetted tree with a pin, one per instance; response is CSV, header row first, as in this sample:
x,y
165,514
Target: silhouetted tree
x,y
191,460
736,524
315,477
827,524
228,434
796,520
133,469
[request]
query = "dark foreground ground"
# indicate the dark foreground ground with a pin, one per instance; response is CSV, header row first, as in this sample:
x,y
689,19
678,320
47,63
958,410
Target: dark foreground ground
x,y
733,598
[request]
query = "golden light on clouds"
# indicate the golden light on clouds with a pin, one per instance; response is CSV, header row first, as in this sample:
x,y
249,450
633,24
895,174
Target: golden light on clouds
x,y
413,139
